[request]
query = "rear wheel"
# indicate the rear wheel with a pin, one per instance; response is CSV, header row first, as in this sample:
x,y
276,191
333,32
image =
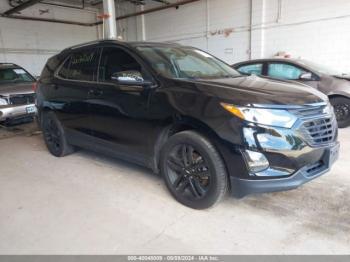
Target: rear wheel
x,y
54,136
193,170
342,110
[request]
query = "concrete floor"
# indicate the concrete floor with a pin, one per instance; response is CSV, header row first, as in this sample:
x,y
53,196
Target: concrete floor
x,y
89,204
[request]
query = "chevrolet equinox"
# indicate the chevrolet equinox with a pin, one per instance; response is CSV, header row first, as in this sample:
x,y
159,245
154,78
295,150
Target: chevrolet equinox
x,y
187,115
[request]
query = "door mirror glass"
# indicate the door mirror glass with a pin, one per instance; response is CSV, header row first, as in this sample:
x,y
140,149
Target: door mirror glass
x,y
130,77
306,76
119,67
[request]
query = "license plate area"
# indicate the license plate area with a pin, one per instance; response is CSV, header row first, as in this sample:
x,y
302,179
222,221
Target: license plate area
x,y
30,109
333,154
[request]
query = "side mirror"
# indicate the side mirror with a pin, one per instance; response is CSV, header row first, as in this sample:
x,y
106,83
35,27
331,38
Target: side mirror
x,y
131,77
306,76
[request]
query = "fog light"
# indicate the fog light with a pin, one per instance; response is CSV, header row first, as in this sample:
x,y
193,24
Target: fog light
x,y
255,161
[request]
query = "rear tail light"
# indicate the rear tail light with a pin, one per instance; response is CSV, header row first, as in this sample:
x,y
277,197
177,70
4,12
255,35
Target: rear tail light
x,y
34,86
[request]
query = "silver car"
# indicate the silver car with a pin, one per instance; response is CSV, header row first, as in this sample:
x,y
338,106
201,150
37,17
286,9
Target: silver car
x,y
17,96
335,85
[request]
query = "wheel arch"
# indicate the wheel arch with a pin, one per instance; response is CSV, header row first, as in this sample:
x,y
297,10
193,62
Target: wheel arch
x,y
182,124
344,118
335,95
41,110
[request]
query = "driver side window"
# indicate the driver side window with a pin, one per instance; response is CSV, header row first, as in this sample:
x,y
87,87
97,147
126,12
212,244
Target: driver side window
x,y
116,63
284,71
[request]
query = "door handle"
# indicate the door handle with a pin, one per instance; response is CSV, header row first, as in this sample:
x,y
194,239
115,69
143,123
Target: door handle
x,y
96,92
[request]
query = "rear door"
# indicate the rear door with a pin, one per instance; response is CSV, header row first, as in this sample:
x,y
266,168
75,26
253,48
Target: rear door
x,y
73,81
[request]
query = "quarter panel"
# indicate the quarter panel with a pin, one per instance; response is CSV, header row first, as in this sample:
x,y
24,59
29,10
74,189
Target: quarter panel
x,y
333,86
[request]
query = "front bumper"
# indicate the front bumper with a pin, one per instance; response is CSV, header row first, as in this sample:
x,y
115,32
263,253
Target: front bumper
x,y
16,111
241,187
295,155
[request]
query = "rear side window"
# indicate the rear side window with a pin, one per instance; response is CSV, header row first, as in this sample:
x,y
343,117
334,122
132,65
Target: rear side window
x,y
284,71
252,69
81,66
64,71
50,68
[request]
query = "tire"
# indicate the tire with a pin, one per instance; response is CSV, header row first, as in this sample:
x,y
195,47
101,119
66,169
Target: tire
x,y
193,170
54,135
342,110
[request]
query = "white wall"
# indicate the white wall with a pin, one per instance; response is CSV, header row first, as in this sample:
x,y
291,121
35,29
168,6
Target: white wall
x,y
202,24
317,30
31,43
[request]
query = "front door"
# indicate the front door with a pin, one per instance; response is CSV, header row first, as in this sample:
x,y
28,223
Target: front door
x,y
287,71
119,113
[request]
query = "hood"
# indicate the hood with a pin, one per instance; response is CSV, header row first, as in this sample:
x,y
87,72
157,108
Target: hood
x,y
344,77
16,88
249,90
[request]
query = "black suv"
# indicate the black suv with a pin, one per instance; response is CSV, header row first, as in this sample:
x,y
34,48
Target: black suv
x,y
187,115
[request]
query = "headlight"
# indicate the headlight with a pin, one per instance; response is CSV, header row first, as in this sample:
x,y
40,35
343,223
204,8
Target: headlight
x,y
328,110
263,116
3,102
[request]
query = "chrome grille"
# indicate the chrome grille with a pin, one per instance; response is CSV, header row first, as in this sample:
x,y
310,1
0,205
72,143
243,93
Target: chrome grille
x,y
24,99
319,126
309,111
320,131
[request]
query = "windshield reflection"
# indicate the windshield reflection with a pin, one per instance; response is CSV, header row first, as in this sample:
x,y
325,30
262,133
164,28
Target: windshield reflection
x,y
186,63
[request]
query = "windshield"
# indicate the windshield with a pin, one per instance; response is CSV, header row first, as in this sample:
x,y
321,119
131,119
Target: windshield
x,y
321,68
187,63
14,75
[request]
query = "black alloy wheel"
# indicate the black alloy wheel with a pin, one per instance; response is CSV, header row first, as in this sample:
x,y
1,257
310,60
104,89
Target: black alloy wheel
x,y
188,172
54,136
342,111
193,170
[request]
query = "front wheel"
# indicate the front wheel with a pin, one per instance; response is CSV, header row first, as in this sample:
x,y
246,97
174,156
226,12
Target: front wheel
x,y
193,170
342,110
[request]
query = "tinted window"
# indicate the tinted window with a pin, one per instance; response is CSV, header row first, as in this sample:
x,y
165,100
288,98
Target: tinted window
x,y
64,71
81,66
284,71
50,68
117,62
14,75
253,69
190,65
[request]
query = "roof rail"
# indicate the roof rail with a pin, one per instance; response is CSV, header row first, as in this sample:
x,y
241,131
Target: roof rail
x,y
91,43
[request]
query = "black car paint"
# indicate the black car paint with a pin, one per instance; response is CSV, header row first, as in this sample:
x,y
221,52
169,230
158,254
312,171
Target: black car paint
x,y
133,122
